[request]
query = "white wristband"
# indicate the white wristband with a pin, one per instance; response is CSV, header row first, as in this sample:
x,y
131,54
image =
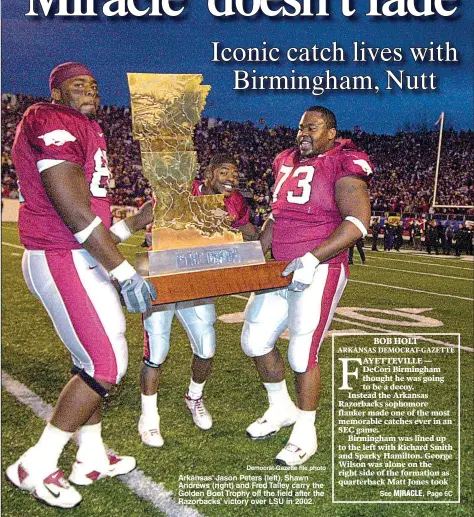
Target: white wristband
x,y
310,260
123,272
271,217
354,220
84,234
121,230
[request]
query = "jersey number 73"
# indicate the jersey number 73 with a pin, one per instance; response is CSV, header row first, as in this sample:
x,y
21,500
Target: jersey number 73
x,y
302,189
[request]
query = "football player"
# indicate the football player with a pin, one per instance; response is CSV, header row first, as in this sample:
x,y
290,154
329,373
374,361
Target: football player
x,y
320,207
70,256
196,316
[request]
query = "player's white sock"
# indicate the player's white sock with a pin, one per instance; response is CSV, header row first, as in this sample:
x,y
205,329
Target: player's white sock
x,y
278,393
303,430
149,406
195,389
91,447
306,417
49,447
149,423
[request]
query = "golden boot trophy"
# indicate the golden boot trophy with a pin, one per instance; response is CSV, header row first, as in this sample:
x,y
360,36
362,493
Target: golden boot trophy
x,y
195,251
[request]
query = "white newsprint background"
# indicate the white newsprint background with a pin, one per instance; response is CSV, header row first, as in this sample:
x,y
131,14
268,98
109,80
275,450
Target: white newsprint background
x,y
394,438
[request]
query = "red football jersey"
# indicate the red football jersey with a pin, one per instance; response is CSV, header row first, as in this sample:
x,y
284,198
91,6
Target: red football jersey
x,y
304,204
235,205
47,135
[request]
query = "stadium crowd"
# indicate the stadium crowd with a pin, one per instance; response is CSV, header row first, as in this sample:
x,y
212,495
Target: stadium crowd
x,y
404,163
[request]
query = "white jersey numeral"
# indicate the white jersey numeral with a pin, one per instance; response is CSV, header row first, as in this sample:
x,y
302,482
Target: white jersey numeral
x,y
303,183
100,178
286,172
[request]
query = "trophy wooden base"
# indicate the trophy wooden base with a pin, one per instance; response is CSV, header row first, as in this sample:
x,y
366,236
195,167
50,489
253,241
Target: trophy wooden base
x,y
219,282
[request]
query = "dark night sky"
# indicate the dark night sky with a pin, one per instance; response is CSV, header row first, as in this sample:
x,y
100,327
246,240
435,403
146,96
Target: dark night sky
x,y
112,46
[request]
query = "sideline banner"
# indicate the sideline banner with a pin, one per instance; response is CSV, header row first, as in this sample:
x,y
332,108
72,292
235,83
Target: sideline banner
x,y
10,209
119,212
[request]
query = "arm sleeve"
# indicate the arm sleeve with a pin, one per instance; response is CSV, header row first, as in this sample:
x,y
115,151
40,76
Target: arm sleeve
x,y
238,209
354,164
278,161
55,137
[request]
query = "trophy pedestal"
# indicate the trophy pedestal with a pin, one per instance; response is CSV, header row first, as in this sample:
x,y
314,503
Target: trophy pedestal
x,y
194,282
198,258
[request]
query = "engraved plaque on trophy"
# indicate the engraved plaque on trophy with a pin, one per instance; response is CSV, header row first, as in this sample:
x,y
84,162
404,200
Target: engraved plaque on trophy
x,y
195,251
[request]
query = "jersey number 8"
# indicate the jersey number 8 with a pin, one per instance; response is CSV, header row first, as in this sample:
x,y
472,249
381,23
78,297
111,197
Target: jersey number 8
x,y
100,178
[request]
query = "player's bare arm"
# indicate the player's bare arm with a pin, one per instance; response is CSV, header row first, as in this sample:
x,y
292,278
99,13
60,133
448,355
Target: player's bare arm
x,y
127,227
266,235
352,199
249,232
67,189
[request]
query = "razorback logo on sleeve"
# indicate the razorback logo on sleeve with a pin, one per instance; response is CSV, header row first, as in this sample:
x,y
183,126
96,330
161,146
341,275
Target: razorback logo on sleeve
x,y
57,137
364,166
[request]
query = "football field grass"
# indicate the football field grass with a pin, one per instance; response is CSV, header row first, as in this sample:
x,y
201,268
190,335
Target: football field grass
x,y
394,292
